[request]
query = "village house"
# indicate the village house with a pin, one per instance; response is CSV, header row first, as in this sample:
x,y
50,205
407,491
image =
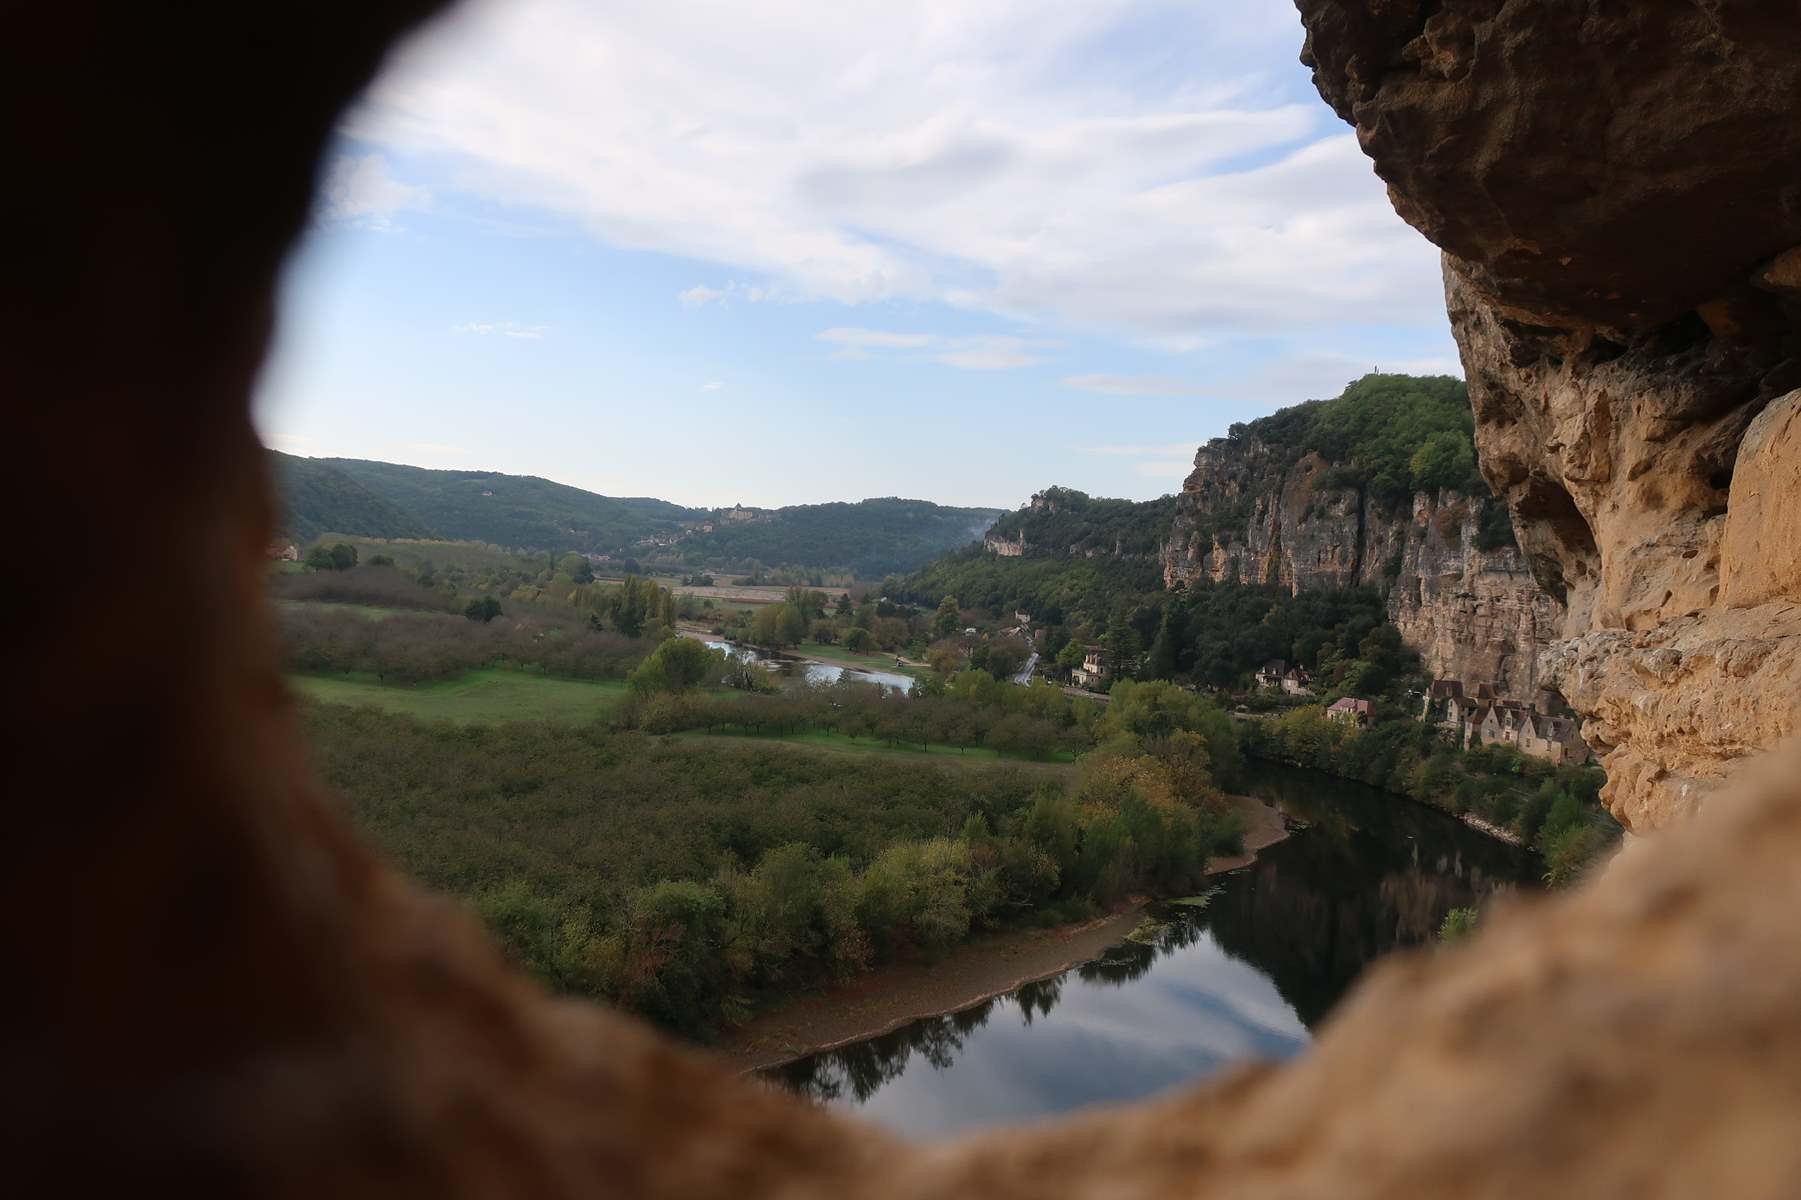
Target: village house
x,y
1555,738
1296,682
1269,675
1445,705
1093,671
1351,709
284,552
1483,717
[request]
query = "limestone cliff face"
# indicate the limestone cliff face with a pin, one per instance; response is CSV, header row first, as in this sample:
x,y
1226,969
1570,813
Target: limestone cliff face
x,y
1618,192
1471,614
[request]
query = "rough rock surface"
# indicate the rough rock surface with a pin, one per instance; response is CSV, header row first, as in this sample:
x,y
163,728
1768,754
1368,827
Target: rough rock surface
x,y
216,990
1618,192
1592,163
1471,614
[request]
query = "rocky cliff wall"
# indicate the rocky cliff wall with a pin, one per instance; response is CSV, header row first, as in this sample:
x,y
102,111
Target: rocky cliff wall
x,y
299,1021
1618,192
1471,614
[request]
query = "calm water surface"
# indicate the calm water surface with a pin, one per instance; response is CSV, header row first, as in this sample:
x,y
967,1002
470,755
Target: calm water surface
x,y
1248,976
812,672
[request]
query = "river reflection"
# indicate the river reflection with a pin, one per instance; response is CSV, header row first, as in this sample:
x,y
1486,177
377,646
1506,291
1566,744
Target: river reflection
x,y
1246,976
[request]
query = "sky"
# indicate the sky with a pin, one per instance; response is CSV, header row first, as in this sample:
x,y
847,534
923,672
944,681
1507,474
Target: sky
x,y
787,252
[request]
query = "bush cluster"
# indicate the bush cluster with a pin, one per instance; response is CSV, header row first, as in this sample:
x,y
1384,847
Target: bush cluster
x,y
1555,809
420,647
689,881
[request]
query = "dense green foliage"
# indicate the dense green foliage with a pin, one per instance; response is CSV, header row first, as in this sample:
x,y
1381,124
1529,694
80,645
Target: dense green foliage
x,y
1062,521
1555,809
1392,435
870,538
479,697
686,881
339,556
1221,634
1054,591
415,647
971,711
1458,924
381,586
677,667
316,496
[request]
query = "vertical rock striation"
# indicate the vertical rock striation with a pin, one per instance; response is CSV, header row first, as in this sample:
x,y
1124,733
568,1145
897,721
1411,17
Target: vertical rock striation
x,y
1617,189
1471,614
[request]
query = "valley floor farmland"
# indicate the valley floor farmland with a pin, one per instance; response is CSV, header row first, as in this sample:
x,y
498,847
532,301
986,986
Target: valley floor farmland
x,y
483,696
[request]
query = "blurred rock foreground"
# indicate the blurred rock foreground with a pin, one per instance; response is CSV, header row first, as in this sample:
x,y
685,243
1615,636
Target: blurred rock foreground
x,y
217,990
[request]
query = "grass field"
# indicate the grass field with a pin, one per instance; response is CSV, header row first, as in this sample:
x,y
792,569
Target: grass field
x,y
838,743
484,696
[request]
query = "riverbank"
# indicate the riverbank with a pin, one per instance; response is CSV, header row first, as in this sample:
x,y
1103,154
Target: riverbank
x,y
1492,830
882,1000
813,653
1481,825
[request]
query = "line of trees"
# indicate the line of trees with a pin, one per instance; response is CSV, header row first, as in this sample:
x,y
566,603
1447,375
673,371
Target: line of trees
x,y
419,647
1554,809
378,586
690,881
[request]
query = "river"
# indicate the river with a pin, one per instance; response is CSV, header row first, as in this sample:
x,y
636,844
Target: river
x,y
813,672
1248,973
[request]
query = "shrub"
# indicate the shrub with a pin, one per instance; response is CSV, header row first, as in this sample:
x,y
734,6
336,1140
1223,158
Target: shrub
x,y
1458,924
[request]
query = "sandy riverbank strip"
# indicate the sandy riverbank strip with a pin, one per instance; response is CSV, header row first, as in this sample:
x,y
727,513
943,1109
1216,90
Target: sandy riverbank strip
x,y
972,972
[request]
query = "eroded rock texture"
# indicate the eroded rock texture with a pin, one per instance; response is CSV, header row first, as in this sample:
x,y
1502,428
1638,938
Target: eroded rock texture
x,y
1472,614
215,990
1618,192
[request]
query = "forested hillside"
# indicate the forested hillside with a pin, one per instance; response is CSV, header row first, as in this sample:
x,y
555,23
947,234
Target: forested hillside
x,y
523,512
872,537
316,496
1063,522
1388,435
520,511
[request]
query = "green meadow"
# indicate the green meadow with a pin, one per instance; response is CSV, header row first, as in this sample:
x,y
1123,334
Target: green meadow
x,y
483,696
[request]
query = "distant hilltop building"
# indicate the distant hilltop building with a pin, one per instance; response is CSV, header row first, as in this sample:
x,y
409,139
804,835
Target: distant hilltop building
x,y
1484,718
738,512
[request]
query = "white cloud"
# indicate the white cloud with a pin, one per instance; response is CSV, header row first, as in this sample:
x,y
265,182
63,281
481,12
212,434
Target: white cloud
x,y
1163,449
865,339
435,449
1022,159
1164,468
980,352
1285,380
1321,376
292,443
359,191
1155,460
1139,385
511,329
712,385
701,295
